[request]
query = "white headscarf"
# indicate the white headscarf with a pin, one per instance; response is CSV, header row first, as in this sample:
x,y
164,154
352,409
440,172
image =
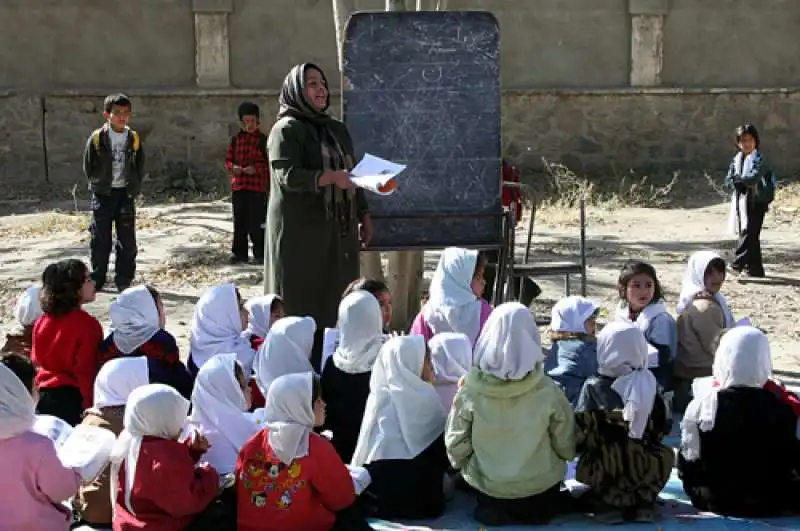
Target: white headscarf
x,y
28,309
622,355
217,328
286,350
509,346
743,358
694,283
154,410
451,357
118,378
218,407
260,310
17,409
404,415
289,415
360,333
571,313
452,306
134,318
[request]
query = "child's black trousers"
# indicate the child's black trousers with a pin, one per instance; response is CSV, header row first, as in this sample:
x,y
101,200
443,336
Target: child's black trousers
x,y
748,248
249,215
117,209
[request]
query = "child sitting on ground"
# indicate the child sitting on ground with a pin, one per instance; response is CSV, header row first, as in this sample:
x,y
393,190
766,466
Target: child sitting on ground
x,y
573,356
155,480
511,430
454,297
137,323
641,301
622,421
262,311
703,313
451,358
380,291
66,342
28,310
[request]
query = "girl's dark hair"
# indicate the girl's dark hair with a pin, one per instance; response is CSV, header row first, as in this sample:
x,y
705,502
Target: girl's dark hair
x,y
637,267
238,371
153,293
277,302
62,282
747,129
22,367
717,264
373,286
316,389
480,264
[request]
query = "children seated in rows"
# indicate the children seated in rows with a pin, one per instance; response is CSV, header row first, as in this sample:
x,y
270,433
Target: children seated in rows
x,y
217,324
641,301
622,420
511,430
34,483
155,480
703,313
27,311
346,374
137,323
573,355
220,398
115,382
451,359
455,302
738,415
401,441
287,476
66,340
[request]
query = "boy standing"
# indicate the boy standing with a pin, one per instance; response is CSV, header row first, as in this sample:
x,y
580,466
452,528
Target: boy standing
x,y
114,164
248,165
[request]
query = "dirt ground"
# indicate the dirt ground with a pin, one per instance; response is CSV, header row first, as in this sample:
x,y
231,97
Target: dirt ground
x,y
183,249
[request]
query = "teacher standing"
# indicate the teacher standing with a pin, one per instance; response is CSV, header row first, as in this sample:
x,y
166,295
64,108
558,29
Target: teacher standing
x,y
315,216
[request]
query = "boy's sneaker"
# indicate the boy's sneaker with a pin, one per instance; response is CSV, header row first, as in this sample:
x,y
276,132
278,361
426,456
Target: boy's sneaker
x,y
258,260
234,260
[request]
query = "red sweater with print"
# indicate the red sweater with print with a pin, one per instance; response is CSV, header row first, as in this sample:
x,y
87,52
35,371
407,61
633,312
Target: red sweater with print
x,y
168,491
66,348
302,497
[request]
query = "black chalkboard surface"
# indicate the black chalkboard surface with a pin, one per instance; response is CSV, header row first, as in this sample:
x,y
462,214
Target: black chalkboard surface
x,y
423,89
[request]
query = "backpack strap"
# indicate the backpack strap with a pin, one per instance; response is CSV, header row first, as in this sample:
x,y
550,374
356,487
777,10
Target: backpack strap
x,y
136,142
96,137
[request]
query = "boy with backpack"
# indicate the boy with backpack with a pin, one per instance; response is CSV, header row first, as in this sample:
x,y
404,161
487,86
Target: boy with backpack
x,y
114,166
248,165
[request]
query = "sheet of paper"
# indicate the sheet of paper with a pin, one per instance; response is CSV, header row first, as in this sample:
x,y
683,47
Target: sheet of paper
x,y
744,322
652,356
361,478
373,173
87,450
330,342
702,386
53,428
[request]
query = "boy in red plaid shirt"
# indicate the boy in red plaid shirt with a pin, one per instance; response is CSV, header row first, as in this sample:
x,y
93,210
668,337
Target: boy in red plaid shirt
x,y
248,165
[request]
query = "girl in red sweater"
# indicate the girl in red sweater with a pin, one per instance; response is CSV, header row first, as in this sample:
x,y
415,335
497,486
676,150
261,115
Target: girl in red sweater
x,y
288,478
66,342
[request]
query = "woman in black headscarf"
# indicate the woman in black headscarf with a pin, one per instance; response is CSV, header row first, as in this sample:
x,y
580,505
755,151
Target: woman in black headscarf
x,y
314,211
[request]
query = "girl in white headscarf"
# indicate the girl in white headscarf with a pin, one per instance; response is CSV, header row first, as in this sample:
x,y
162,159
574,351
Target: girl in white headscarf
x,y
346,375
454,302
287,475
511,430
262,311
737,415
155,482
115,382
401,438
137,329
34,483
27,311
703,313
451,359
217,325
287,350
573,355
220,398
621,412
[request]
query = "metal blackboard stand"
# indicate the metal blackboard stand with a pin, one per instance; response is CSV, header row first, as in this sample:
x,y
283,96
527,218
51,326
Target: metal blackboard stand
x,y
504,243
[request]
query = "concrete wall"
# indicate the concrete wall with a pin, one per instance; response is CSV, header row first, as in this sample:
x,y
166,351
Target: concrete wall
x,y
587,82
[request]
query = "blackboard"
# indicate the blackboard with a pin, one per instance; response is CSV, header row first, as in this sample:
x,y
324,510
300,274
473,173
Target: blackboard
x,y
423,89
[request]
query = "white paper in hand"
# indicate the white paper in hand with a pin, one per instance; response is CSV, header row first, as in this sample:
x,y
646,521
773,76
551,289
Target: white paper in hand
x,y
652,357
53,428
87,450
372,173
702,386
330,342
361,478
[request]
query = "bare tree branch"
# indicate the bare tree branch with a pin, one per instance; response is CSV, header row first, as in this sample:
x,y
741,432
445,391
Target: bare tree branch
x,y
342,9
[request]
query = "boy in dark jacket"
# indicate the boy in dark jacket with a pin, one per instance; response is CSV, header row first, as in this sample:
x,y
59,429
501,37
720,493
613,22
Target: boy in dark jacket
x,y
248,165
114,165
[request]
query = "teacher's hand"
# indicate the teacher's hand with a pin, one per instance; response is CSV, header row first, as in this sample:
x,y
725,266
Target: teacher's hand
x,y
340,179
365,231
